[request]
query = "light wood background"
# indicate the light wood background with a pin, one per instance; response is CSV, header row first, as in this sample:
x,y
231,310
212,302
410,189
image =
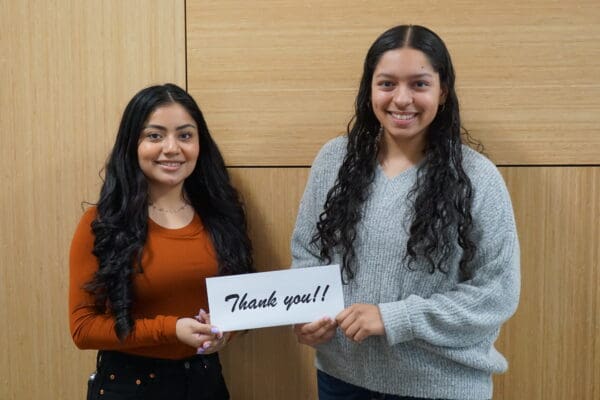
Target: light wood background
x,y
283,75
68,69
276,79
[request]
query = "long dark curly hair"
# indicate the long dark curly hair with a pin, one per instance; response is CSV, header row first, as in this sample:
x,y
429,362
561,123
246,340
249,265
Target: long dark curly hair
x,y
121,225
442,194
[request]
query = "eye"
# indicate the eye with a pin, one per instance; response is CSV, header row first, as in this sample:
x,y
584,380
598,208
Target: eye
x,y
186,136
154,136
421,84
386,84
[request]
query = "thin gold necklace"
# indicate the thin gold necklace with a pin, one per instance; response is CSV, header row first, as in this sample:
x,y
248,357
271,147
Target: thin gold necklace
x,y
169,210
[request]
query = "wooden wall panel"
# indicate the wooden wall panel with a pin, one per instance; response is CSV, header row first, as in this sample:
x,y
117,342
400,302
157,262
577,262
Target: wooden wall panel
x,y
68,68
278,78
268,363
551,343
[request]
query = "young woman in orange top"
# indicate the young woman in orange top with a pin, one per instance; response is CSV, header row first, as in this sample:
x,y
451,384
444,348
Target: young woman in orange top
x,y
167,218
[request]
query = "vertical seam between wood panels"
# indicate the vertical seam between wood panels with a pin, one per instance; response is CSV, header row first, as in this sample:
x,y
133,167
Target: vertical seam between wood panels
x,y
185,38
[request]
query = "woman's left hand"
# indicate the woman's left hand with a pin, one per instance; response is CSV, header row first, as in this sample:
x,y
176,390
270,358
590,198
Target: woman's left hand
x,y
215,345
359,321
212,346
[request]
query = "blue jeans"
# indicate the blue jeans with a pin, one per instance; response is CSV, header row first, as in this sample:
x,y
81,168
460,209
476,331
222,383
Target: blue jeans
x,y
331,388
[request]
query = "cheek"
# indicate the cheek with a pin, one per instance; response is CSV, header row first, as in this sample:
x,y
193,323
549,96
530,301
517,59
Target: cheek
x,y
428,103
141,158
381,103
193,153
145,152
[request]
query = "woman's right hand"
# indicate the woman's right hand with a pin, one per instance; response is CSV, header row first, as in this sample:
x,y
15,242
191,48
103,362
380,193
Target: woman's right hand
x,y
316,332
194,333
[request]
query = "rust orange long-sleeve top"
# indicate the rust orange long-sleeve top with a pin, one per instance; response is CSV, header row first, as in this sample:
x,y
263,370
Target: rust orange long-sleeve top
x,y
175,264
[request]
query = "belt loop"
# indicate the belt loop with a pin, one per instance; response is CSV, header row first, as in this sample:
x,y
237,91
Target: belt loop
x,y
98,359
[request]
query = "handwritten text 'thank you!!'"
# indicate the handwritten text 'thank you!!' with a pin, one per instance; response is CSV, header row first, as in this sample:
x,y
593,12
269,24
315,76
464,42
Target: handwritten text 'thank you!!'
x,y
244,303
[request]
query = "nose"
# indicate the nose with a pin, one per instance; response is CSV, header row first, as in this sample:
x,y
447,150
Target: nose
x,y
170,145
403,96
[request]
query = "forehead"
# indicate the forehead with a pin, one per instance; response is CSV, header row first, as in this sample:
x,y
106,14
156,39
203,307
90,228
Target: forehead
x,y
170,113
404,61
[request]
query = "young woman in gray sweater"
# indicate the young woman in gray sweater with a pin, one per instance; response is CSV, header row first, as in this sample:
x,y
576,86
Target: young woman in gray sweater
x,y
422,227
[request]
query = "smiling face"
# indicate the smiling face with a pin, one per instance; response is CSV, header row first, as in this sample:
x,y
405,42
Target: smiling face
x,y
405,94
168,147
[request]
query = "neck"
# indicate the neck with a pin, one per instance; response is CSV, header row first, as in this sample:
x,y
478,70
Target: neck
x,y
169,208
409,152
167,198
397,155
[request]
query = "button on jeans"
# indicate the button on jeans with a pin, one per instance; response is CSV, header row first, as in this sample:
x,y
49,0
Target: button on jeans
x,y
121,376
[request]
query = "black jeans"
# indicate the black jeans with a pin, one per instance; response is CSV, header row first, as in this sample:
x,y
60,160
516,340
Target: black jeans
x,y
121,376
331,388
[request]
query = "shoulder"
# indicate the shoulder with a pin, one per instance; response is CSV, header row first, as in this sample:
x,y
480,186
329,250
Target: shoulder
x,y
332,152
85,222
475,162
330,157
489,189
326,165
83,238
481,170
89,215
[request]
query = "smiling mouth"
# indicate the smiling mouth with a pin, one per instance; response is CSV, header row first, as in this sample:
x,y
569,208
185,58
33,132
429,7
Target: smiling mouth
x,y
170,164
403,116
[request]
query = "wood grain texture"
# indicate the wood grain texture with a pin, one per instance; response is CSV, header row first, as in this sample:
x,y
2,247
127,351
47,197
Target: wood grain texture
x,y
552,342
278,78
68,68
269,363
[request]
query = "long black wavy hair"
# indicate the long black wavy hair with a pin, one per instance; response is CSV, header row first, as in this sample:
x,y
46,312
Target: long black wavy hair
x,y
121,225
442,194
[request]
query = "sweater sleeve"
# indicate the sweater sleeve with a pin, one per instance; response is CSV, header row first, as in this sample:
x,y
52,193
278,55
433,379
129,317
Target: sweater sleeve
x,y
474,309
93,330
304,253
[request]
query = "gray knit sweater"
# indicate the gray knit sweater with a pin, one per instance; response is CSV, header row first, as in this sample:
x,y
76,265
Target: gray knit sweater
x,y
439,330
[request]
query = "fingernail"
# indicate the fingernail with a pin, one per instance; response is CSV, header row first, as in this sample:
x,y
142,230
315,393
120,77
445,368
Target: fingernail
x,y
200,351
214,329
206,345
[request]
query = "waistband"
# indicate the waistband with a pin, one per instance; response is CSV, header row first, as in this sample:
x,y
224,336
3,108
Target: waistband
x,y
141,362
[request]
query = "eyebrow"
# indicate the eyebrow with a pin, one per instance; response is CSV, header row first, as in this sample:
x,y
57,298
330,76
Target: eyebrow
x,y
162,128
423,75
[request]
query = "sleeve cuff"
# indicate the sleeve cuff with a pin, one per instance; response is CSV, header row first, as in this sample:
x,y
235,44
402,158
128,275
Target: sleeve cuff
x,y
170,329
396,322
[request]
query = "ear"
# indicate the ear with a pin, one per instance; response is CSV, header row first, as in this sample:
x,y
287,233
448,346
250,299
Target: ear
x,y
443,95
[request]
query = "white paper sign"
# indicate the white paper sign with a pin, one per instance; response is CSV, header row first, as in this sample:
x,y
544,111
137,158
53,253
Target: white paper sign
x,y
275,298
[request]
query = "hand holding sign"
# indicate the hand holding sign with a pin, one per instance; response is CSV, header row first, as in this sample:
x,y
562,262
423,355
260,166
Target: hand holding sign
x,y
214,344
275,298
359,321
317,332
192,332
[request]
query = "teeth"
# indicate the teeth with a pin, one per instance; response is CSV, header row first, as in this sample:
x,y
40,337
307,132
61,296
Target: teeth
x,y
403,116
170,164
